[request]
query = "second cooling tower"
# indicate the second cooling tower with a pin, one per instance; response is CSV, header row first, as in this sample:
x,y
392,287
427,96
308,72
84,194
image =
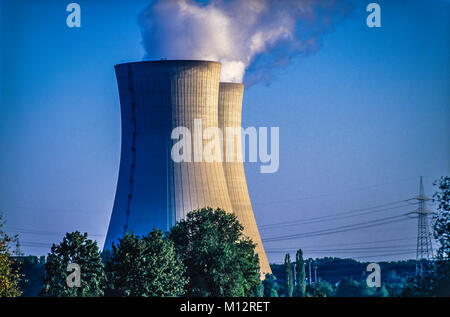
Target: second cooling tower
x,y
153,190
230,113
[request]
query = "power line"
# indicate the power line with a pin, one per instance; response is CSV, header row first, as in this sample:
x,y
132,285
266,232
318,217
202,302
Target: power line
x,y
45,232
356,243
340,228
321,233
357,226
411,252
35,243
341,215
336,193
385,254
59,210
411,249
345,249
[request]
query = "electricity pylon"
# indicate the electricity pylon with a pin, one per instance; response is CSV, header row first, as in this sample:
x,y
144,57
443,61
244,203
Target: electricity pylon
x,y
424,245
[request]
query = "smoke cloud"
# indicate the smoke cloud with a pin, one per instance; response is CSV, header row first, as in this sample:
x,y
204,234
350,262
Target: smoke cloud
x,y
249,37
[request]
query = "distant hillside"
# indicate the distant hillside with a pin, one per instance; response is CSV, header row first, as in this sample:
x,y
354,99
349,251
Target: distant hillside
x,y
333,270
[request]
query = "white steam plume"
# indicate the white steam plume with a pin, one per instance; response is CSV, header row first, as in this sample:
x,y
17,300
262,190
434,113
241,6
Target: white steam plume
x,y
238,33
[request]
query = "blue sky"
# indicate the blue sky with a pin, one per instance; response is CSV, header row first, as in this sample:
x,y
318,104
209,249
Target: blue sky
x,y
360,120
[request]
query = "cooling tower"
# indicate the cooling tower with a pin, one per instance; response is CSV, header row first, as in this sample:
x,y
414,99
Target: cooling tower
x,y
230,112
153,190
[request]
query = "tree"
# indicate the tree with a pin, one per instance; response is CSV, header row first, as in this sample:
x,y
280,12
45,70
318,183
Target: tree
x,y
320,289
75,248
33,268
300,285
381,292
442,217
146,266
270,286
219,259
413,288
351,288
259,292
273,293
10,277
289,276
436,280
440,278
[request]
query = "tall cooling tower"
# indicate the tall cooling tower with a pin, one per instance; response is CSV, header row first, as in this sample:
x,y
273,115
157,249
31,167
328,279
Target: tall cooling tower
x,y
152,190
230,112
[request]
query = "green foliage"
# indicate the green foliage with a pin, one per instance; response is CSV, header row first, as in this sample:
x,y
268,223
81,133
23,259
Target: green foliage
x,y
441,267
33,269
75,248
441,278
10,277
436,279
273,293
219,260
348,288
416,288
270,286
442,218
106,254
320,289
289,276
259,291
300,285
146,266
351,288
395,289
333,269
381,292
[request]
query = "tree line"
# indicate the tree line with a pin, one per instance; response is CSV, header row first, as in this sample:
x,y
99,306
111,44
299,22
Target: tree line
x,y
205,254
434,281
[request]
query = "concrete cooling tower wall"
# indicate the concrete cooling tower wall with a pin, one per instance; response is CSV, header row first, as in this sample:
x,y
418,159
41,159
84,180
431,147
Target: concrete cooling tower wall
x,y
152,189
230,112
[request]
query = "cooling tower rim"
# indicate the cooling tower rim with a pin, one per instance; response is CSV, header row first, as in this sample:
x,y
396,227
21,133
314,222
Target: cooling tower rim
x,y
227,84
169,62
